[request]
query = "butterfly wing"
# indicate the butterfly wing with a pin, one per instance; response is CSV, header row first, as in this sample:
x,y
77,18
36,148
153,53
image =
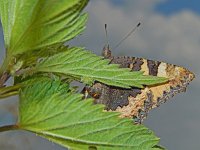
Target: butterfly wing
x,y
136,102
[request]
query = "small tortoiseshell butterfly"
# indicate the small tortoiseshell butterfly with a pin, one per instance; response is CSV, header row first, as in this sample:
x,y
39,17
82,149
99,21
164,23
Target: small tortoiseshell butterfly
x,y
135,102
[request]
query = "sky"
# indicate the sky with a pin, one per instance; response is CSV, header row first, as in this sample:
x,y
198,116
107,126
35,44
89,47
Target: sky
x,y
169,32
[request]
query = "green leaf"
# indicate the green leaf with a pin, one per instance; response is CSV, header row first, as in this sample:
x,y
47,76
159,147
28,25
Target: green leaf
x,y
51,111
34,24
89,67
31,58
20,82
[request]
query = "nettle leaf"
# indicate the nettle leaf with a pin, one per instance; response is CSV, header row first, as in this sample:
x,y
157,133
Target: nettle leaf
x,y
50,110
33,24
89,67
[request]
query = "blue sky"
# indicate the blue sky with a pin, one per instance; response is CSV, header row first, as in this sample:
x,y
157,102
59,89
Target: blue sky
x,y
169,7
172,6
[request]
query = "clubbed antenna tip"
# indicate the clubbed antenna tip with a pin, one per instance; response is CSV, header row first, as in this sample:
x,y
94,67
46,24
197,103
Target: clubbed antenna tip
x,y
132,31
138,24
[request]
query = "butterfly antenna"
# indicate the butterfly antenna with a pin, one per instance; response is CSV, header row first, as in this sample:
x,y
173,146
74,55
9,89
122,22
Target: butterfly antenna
x,y
106,31
132,31
106,49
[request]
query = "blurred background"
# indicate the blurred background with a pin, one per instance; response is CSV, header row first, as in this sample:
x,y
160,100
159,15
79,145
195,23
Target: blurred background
x,y
169,32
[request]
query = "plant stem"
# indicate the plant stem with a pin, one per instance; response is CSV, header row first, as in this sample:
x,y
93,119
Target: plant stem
x,y
8,127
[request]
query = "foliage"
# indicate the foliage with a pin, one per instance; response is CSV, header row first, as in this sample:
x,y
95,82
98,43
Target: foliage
x,y
37,58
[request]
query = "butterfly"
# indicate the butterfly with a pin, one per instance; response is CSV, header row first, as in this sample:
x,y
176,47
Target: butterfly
x,y
135,102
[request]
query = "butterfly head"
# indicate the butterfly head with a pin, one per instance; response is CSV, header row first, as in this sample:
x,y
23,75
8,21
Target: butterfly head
x,y
106,51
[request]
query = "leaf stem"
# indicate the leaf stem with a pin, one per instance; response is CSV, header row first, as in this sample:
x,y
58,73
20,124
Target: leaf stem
x,y
9,127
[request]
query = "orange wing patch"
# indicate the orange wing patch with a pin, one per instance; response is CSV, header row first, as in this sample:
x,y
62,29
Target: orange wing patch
x,y
154,96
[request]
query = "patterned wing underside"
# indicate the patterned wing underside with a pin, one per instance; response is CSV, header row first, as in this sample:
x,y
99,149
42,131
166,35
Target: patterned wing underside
x,y
136,102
